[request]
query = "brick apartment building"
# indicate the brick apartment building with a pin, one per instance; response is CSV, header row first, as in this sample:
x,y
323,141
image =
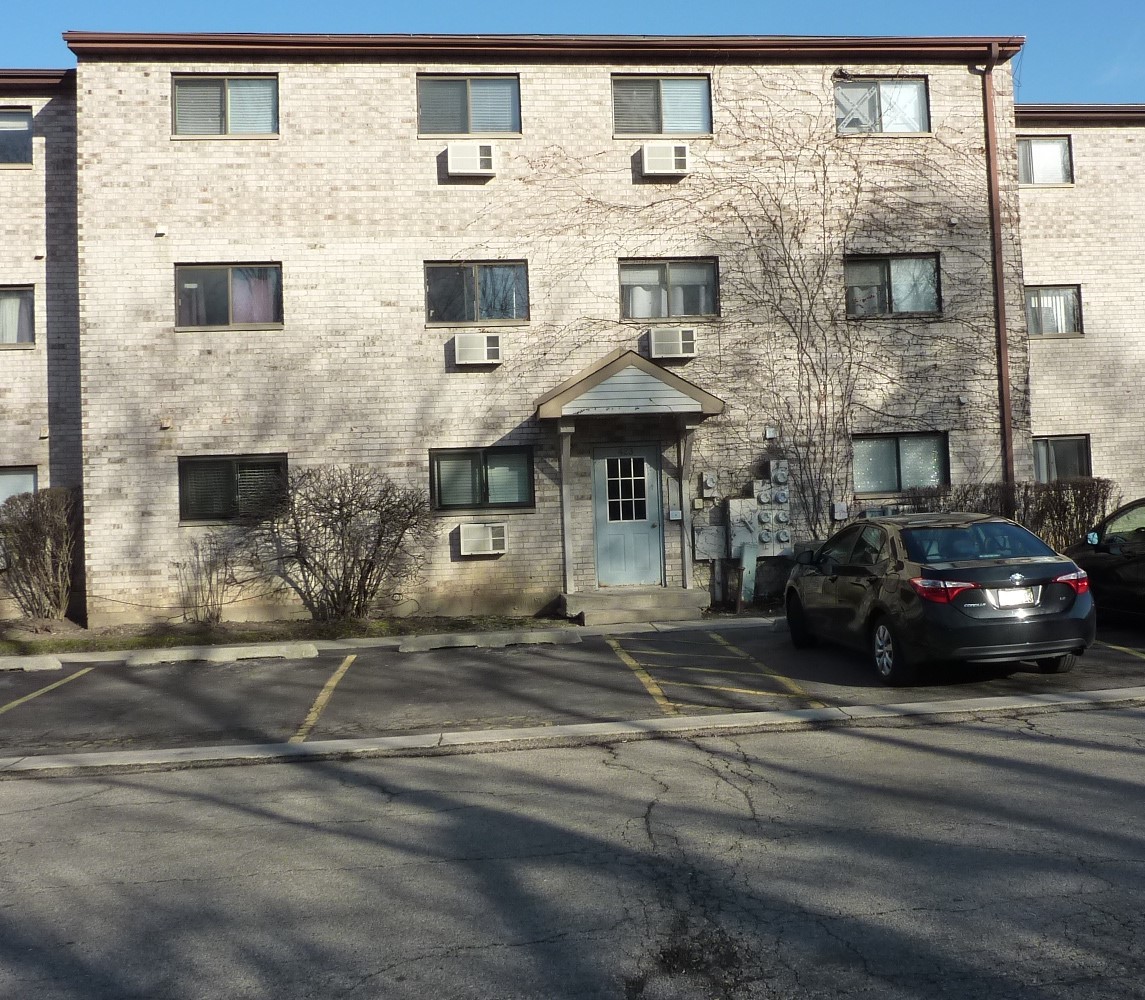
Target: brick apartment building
x,y
583,289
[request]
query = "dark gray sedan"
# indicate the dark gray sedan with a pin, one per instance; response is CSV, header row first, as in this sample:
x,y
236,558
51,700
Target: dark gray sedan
x,y
921,588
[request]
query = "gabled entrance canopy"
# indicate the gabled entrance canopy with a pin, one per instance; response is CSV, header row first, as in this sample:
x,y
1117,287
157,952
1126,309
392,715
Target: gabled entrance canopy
x,y
625,383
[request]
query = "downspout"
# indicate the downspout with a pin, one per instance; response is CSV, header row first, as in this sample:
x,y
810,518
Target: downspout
x,y
1005,408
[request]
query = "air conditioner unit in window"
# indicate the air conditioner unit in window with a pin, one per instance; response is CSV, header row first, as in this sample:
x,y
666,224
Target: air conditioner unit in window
x,y
477,349
469,159
666,159
672,342
483,539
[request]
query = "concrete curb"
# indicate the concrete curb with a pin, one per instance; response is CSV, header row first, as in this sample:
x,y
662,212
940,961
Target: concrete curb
x,y
579,734
223,654
489,640
30,663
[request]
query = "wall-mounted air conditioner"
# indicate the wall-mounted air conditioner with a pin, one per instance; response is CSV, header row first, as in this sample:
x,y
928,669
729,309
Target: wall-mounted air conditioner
x,y
484,539
666,159
672,342
477,349
469,159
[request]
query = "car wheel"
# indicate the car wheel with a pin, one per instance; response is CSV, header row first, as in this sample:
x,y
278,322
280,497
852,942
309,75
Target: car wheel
x,y
801,635
890,659
1057,664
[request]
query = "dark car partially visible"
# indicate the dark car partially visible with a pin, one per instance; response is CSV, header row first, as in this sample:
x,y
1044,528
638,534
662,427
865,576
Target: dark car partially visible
x,y
1113,554
923,588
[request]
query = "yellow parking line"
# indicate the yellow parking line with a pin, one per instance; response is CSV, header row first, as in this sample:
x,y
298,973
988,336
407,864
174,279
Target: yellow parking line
x,y
645,678
712,670
44,690
1120,649
674,652
321,700
716,687
786,682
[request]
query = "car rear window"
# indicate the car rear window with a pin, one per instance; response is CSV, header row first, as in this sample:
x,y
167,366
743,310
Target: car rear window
x,y
985,540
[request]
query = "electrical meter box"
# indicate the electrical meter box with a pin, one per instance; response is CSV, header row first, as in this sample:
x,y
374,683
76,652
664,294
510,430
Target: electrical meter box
x,y
762,521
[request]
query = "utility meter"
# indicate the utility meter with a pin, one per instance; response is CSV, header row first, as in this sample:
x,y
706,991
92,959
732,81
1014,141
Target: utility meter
x,y
764,516
780,496
779,476
782,517
765,535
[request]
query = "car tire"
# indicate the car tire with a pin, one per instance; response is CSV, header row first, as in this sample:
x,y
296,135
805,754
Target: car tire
x,y
1057,664
892,665
801,635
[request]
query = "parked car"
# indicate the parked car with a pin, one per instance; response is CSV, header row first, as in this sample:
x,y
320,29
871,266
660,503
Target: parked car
x,y
920,588
1113,554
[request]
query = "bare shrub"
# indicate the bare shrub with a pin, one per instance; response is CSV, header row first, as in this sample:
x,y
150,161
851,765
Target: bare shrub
x,y
37,546
341,538
207,575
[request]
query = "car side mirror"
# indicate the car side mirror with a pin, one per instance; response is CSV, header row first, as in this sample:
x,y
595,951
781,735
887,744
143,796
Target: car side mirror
x,y
1092,538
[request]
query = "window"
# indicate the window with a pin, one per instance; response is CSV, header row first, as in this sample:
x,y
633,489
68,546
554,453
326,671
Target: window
x,y
17,324
891,463
463,105
493,292
481,477
226,105
657,289
1053,309
15,135
220,295
887,286
1045,161
883,105
1064,457
14,481
223,488
666,105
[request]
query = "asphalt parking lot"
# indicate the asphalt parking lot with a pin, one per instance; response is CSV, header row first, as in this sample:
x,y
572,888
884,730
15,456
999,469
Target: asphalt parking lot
x,y
377,692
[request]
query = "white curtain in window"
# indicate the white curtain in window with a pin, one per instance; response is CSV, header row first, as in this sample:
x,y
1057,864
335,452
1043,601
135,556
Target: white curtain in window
x,y
254,293
252,106
644,292
16,324
920,460
1046,161
903,106
686,106
507,475
199,107
1053,310
914,284
692,290
494,105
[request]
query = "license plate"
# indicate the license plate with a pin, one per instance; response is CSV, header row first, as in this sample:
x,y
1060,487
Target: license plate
x,y
1015,597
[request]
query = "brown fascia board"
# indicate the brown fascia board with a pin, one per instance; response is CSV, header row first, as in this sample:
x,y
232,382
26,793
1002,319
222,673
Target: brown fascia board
x,y
1078,115
613,48
36,81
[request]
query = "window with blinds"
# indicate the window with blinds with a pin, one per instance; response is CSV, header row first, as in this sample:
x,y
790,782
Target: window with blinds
x,y
224,488
661,105
464,105
15,135
1045,160
481,477
1053,310
225,105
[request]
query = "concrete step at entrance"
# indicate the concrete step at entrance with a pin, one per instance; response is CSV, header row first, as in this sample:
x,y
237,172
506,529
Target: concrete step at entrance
x,y
617,605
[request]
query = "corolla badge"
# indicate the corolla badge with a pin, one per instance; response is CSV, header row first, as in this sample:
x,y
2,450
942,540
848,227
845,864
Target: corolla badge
x,y
1016,578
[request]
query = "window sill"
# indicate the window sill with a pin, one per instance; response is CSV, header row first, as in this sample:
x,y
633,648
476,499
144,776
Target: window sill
x,y
16,166
663,136
491,324
1057,336
230,329
470,136
227,137
885,135
1024,185
670,320
893,317
484,511
18,347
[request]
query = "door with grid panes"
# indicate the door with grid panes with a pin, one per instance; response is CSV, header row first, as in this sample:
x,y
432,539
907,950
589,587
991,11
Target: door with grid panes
x,y
627,514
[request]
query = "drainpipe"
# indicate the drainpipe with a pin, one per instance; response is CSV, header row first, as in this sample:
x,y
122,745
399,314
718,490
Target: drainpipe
x,y
1004,404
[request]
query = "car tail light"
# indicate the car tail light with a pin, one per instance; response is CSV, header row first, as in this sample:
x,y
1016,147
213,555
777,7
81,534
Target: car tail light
x,y
1078,581
940,591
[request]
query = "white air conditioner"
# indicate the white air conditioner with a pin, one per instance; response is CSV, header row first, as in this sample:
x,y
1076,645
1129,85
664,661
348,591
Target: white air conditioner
x,y
477,349
672,342
469,159
666,159
483,539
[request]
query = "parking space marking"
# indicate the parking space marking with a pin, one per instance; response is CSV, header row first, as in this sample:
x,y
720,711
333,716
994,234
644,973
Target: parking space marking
x,y
1123,649
44,690
644,677
791,686
716,670
733,690
320,702
673,652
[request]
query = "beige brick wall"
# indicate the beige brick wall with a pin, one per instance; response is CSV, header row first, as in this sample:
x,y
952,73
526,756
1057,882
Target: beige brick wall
x,y
1092,234
352,203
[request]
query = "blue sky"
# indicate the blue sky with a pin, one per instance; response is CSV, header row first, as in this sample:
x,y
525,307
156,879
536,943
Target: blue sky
x,y
1090,53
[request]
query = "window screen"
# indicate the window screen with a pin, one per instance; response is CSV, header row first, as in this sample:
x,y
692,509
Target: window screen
x,y
674,105
882,105
482,477
891,463
463,105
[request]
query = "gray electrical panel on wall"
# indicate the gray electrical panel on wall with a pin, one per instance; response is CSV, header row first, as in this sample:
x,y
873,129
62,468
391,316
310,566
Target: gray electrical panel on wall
x,y
763,520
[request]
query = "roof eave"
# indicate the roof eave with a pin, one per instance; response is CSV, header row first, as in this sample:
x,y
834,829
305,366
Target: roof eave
x,y
1078,115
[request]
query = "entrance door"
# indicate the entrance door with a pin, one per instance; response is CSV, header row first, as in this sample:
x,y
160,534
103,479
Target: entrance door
x,y
626,505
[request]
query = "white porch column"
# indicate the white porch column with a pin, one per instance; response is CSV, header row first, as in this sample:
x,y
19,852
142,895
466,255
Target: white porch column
x,y
684,470
565,428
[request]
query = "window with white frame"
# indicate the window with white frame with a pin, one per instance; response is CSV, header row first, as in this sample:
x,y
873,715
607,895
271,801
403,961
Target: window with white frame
x,y
891,463
1053,310
1045,160
17,321
225,105
884,104
467,105
475,478
892,285
483,292
667,289
661,105
15,480
227,487
15,135
228,295
1062,457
